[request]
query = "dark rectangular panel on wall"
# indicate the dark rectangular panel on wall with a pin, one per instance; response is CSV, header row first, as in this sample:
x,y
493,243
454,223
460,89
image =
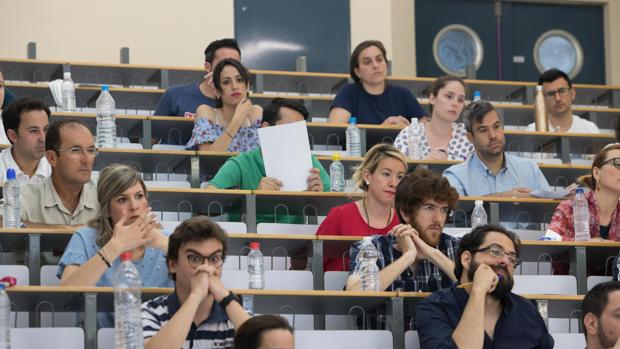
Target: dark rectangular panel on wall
x,y
273,33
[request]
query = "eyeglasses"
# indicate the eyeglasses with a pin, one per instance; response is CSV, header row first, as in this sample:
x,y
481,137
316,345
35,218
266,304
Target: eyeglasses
x,y
614,161
561,91
79,151
215,260
498,252
430,209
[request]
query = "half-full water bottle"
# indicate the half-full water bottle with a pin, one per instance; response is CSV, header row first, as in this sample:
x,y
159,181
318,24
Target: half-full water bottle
x,y
478,215
5,318
415,139
367,264
11,217
256,274
68,93
127,305
477,96
354,146
581,216
336,173
106,123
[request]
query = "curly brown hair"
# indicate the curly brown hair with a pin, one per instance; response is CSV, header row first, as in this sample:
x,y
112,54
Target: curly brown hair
x,y
419,186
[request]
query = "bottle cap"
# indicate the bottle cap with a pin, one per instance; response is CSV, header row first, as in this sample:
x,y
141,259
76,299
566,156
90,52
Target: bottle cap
x,y
2,286
125,256
105,88
579,190
478,202
477,94
336,156
255,245
539,88
67,75
353,120
10,174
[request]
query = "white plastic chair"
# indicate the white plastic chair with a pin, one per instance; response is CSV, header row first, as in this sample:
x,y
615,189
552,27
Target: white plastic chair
x,y
129,146
412,341
592,281
335,281
289,229
569,340
456,232
343,339
167,184
60,318
47,337
22,275
168,147
105,338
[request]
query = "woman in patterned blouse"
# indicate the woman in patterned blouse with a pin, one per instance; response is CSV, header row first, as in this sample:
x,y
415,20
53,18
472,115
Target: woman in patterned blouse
x,y
441,138
234,124
604,182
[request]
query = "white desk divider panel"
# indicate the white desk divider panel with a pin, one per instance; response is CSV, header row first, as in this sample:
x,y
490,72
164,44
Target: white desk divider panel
x,y
129,146
167,184
233,227
592,281
569,340
456,232
22,275
62,319
290,229
105,338
168,147
335,281
545,284
343,339
412,341
47,337
48,275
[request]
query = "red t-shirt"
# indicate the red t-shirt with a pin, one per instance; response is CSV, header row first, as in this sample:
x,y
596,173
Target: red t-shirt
x,y
347,220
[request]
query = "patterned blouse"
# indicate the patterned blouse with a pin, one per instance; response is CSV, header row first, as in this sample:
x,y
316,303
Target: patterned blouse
x,y
458,149
206,131
562,220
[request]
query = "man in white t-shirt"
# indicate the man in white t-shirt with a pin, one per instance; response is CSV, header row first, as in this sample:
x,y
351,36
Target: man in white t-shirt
x,y
559,96
25,122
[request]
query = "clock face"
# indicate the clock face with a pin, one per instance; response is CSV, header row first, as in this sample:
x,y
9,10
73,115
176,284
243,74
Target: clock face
x,y
455,47
558,49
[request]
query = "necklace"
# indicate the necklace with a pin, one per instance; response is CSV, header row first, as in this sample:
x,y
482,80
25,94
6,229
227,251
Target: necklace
x,y
368,217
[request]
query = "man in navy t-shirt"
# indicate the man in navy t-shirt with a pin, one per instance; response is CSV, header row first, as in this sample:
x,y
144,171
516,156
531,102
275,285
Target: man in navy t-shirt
x,y
184,100
370,98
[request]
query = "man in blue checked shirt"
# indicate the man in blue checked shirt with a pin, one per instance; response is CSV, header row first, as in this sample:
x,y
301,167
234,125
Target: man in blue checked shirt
x,y
416,255
490,171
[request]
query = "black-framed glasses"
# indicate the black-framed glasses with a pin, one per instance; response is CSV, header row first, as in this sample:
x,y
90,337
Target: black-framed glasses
x,y
430,209
563,91
215,260
498,252
614,161
79,151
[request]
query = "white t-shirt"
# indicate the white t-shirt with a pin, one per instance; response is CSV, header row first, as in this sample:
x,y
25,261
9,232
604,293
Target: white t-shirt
x,y
579,126
43,170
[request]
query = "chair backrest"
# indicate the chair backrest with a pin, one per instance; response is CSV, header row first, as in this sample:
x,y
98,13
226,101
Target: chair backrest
x,y
592,281
105,338
46,337
569,340
19,272
545,284
283,228
233,227
335,280
412,341
123,145
343,339
456,232
274,279
525,234
167,184
48,275
168,147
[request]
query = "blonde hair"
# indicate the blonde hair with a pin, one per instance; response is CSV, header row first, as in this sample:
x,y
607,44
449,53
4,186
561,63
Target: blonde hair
x,y
589,180
113,181
372,159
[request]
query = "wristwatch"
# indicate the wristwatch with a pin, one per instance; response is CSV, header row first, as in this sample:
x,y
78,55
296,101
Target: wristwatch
x,y
226,300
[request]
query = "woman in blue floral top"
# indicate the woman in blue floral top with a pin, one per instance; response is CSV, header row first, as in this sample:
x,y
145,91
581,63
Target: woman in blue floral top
x,y
233,125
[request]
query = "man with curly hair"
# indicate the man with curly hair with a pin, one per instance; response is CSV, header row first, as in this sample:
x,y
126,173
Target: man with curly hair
x,y
415,255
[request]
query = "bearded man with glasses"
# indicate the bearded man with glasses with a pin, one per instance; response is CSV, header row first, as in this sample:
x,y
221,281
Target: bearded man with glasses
x,y
480,311
559,96
201,313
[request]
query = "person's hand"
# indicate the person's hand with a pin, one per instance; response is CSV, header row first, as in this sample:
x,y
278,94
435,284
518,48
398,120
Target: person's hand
x,y
404,238
516,193
485,279
396,121
424,249
127,237
155,238
314,180
243,109
209,79
439,153
268,183
216,288
200,282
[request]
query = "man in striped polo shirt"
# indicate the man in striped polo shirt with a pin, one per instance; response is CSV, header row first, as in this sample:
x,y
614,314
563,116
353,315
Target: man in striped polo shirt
x,y
201,313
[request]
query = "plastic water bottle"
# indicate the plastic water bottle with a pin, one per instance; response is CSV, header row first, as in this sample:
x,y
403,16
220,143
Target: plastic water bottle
x,y
106,123
479,215
415,139
336,173
5,318
477,96
68,93
354,146
367,264
127,304
256,274
11,217
581,216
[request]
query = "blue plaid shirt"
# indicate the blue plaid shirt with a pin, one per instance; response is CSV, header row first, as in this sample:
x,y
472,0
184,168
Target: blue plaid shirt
x,y
427,278
473,178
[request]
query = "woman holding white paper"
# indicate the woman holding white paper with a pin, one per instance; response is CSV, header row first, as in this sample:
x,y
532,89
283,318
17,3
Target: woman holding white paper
x,y
233,125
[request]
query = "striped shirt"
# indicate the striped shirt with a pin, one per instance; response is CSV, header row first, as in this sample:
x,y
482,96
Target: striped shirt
x,y
216,331
427,278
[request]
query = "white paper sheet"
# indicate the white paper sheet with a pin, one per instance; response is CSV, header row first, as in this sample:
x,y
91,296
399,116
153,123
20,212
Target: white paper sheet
x,y
545,194
286,154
